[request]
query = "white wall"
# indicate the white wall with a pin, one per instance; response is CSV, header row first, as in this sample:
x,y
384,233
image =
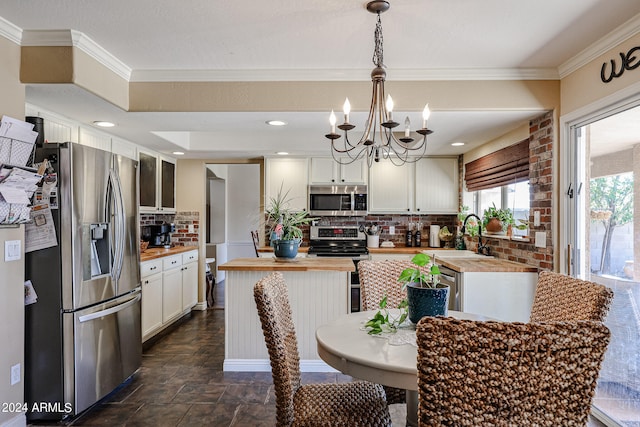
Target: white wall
x,y
243,208
11,327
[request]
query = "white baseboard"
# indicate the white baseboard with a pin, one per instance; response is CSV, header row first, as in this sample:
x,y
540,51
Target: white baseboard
x,y
19,420
263,365
201,306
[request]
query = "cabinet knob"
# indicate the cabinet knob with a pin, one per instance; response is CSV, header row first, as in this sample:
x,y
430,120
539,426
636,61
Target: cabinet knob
x,y
153,268
408,209
418,209
333,180
342,180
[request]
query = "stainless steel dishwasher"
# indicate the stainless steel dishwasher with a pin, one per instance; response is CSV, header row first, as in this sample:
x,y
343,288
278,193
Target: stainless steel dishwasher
x,y
454,280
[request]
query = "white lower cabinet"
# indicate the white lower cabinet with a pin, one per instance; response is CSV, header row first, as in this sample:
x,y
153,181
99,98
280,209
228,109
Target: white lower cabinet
x,y
171,294
169,290
151,275
189,279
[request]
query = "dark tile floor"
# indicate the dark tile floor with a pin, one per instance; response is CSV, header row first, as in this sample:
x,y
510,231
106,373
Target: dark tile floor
x,y
181,383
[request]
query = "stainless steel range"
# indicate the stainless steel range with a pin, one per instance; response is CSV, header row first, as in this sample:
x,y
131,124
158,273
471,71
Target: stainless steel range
x,y
345,242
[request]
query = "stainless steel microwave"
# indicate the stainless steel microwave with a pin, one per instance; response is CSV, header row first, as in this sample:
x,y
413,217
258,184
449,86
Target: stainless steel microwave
x,y
338,200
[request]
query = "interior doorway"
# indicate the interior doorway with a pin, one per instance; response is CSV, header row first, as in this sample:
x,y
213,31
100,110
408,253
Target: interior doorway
x,y
233,208
603,219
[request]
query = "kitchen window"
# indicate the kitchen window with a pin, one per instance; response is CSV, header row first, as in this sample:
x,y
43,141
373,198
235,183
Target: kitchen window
x,y
513,196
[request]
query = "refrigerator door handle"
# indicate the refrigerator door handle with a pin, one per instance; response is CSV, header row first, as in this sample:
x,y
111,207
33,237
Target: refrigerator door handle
x,y
119,224
110,310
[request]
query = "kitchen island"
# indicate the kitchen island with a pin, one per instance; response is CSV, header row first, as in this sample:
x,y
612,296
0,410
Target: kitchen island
x,y
493,287
319,292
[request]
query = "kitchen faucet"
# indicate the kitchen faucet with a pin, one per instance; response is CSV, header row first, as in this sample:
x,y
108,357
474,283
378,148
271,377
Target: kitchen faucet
x,y
482,248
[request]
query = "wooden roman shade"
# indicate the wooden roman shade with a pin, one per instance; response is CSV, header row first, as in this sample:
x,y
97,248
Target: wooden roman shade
x,y
506,166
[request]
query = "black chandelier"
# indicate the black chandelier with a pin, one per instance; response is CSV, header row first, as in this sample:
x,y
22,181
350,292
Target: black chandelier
x,y
399,150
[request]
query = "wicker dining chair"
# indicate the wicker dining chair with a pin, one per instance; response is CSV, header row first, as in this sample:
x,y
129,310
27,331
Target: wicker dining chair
x,y
329,404
562,297
473,373
256,241
377,279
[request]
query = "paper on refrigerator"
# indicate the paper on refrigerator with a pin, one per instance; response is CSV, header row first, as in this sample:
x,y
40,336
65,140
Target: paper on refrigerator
x,y
40,233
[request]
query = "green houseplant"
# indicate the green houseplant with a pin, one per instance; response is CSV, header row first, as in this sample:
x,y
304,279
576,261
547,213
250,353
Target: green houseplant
x,y
284,225
425,297
496,220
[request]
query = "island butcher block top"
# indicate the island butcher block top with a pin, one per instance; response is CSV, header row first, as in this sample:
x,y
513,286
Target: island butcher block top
x,y
485,265
296,264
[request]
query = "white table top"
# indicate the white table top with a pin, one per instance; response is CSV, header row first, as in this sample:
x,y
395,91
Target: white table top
x,y
346,347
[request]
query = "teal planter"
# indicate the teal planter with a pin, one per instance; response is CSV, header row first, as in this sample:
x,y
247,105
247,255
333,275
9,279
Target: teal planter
x,y
427,301
286,248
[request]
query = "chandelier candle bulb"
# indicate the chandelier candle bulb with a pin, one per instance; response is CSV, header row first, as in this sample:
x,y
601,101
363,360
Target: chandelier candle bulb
x,y
347,109
332,121
425,116
407,127
389,107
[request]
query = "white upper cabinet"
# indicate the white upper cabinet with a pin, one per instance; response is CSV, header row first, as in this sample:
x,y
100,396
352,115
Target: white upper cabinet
x,y
157,183
291,175
390,187
325,170
429,186
436,184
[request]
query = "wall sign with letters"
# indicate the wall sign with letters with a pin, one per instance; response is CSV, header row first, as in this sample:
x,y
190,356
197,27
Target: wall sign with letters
x,y
628,62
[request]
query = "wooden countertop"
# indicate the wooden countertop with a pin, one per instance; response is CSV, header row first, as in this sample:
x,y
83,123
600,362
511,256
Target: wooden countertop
x,y
405,250
394,250
265,249
300,264
485,265
153,253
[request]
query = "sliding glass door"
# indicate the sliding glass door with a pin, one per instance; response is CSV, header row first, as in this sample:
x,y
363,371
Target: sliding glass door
x,y
603,232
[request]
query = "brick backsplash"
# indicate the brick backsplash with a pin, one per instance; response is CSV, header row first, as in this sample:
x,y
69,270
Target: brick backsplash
x,y
182,221
400,222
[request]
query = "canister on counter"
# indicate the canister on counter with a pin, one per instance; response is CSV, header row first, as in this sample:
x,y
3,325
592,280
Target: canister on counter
x,y
434,239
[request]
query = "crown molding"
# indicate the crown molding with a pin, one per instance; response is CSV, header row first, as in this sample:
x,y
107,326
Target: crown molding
x,y
608,42
342,75
80,41
97,52
10,31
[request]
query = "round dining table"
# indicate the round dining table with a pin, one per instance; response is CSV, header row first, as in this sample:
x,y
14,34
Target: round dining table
x,y
390,360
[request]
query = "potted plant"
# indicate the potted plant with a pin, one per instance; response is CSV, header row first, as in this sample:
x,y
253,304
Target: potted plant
x,y
426,296
496,220
284,226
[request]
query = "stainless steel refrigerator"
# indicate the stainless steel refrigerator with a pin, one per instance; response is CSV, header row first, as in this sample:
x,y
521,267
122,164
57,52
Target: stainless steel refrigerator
x,y
82,336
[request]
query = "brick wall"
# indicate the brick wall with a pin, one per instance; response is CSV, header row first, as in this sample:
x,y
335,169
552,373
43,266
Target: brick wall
x,y
541,139
182,220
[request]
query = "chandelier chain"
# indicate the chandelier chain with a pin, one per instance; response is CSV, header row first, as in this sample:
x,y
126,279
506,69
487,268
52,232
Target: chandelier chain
x,y
378,51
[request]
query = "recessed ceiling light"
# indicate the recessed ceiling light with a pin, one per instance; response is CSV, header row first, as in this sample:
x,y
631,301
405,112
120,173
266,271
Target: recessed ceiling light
x,y
282,153
104,124
457,144
178,153
275,123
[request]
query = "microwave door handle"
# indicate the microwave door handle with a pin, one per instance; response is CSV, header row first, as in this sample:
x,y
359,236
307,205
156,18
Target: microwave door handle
x,y
353,201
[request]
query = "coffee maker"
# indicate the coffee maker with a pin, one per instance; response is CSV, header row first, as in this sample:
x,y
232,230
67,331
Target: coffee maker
x,y
158,235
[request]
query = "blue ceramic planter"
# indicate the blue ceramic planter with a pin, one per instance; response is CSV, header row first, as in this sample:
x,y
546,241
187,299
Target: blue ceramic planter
x,y
286,248
427,301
